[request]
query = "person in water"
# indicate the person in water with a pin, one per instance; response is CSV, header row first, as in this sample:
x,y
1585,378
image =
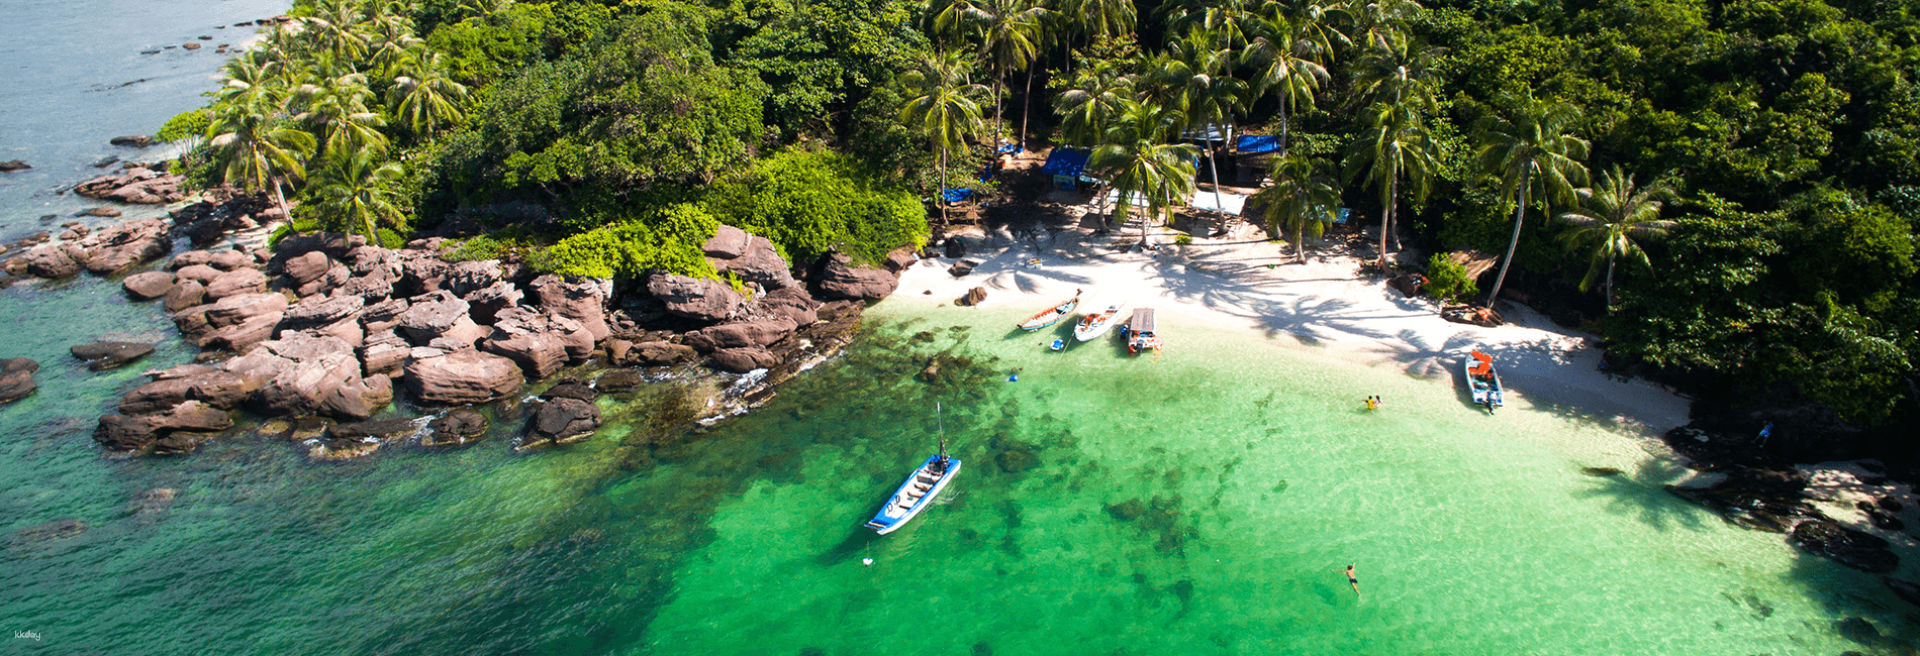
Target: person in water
x,y
1351,579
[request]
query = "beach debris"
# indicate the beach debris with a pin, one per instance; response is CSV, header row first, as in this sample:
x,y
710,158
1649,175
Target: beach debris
x,y
866,561
1473,315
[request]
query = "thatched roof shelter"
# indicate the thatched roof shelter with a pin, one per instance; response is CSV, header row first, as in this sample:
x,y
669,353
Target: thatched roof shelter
x,y
1475,262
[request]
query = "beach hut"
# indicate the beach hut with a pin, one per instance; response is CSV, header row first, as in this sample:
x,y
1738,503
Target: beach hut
x,y
1065,165
1253,155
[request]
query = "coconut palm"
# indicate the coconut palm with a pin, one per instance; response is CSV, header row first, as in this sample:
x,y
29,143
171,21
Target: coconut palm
x,y
1230,22
262,149
1379,23
423,95
334,27
338,107
1395,146
1609,220
1197,79
249,76
390,35
1137,159
1532,154
1011,33
1287,65
1097,19
483,7
1302,200
356,193
1397,71
1099,93
941,106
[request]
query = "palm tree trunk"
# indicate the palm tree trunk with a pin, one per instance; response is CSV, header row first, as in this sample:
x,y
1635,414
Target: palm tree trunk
x,y
996,116
1386,214
282,198
940,195
1519,215
1217,204
1609,285
1025,99
1283,126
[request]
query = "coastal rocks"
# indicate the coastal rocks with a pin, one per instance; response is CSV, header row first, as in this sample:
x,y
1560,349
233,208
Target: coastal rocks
x,y
12,165
383,352
619,380
54,261
16,378
728,242
579,300
485,304
191,416
743,360
138,185
178,430
307,268
1845,546
899,259
660,354
124,245
184,294
234,323
321,311
702,299
461,377
974,297
563,420
440,319
843,280
102,212
101,356
760,264
148,285
456,427
132,141
123,433
313,375
234,283
742,335
219,388
540,343
962,268
794,303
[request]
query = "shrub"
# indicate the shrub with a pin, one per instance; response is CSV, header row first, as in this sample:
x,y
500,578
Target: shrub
x,y
668,241
187,124
1448,281
1183,240
391,240
812,202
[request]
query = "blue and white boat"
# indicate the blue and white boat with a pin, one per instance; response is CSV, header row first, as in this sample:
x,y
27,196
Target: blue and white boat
x,y
918,492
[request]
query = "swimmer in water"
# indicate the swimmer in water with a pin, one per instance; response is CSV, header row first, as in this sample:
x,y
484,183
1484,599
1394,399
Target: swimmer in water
x,y
1350,578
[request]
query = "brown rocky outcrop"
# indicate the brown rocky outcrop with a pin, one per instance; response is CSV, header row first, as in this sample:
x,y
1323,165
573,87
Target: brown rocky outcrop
x,y
486,303
841,279
137,185
456,427
728,242
438,377
306,375
702,299
16,378
307,268
201,273
540,343
581,300
793,303
184,294
148,285
124,245
53,260
440,317
12,165
124,433
899,259
383,352
562,420
315,311
761,264
234,283
743,360
660,354
101,356
741,335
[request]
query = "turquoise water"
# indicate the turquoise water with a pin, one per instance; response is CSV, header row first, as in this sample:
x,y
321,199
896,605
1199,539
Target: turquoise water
x,y
1192,503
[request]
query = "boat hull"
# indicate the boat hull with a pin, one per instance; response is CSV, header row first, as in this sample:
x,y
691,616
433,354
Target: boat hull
x,y
1051,316
895,513
1094,326
1481,390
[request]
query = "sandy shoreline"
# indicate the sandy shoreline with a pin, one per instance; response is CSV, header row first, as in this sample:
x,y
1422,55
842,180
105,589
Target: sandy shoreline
x,y
1324,305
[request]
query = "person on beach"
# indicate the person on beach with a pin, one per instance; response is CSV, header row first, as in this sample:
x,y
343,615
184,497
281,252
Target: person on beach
x,y
1351,579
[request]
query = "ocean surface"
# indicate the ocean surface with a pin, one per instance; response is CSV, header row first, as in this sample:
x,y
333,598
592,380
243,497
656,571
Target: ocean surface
x,y
1194,502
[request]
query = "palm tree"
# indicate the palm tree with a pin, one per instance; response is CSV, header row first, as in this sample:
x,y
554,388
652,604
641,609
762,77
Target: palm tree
x,y
334,27
1609,220
356,193
260,146
391,35
249,76
1396,72
483,8
1199,79
942,107
1379,23
423,95
1231,22
1533,154
339,108
1099,93
1288,65
1137,160
1302,200
1010,32
1096,19
1394,146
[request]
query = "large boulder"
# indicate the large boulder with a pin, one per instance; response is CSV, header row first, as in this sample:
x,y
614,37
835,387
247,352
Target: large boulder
x,y
383,352
101,356
234,283
660,354
200,273
123,433
219,388
335,277
318,375
184,294
743,360
440,317
16,378
465,278
230,260
562,420
793,303
540,343
486,303
192,416
323,310
307,268
900,258
372,286
461,377
761,263
843,280
728,242
148,285
54,260
702,299
456,427
127,244
743,334
581,300
137,185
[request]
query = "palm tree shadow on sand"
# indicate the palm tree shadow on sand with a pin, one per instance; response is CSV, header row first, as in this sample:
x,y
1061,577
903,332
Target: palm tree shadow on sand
x,y
1642,494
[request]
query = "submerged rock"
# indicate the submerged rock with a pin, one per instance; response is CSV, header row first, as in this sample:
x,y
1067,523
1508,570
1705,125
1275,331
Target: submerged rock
x,y
457,427
148,285
1845,546
101,356
562,420
16,378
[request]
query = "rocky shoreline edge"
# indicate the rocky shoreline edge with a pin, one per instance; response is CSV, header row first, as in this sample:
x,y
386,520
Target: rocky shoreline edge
x,y
324,331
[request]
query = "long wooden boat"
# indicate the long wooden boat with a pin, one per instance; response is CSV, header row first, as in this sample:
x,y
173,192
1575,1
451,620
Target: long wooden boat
x,y
1094,325
916,493
1483,382
1051,315
1142,332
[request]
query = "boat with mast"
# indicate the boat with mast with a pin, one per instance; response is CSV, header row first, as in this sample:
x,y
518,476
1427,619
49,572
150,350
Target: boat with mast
x,y
921,487
1051,315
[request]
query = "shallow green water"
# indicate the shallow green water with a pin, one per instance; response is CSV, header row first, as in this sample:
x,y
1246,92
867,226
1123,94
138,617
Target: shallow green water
x,y
1193,503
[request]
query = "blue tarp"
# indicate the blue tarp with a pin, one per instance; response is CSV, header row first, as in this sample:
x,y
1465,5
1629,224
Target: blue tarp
x,y
1253,144
1010,148
956,195
1065,161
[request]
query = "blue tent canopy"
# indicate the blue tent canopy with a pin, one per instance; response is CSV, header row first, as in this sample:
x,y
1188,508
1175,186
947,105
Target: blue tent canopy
x,y
1065,161
1253,144
956,195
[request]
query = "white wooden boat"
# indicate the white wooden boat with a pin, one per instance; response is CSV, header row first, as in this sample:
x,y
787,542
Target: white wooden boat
x,y
1142,333
1483,382
1051,315
1094,325
920,489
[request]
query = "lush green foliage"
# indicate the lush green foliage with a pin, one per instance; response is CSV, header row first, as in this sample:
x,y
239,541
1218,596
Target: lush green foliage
x,y
1447,280
668,240
185,125
811,202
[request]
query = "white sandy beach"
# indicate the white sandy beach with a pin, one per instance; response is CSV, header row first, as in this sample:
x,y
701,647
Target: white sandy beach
x,y
1324,305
